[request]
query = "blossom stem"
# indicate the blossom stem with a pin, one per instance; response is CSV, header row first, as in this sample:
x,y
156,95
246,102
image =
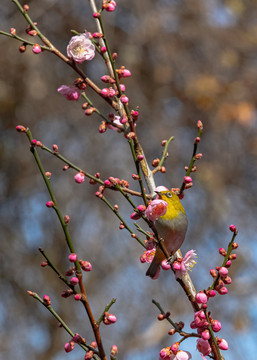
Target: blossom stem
x,y
71,165
213,343
192,161
51,193
182,333
122,220
105,310
62,322
54,268
16,37
164,155
131,144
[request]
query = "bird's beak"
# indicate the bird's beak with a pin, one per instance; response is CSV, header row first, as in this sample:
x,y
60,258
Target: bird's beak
x,y
157,194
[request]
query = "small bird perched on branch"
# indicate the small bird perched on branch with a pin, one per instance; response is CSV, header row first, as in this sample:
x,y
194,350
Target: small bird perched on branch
x,y
171,227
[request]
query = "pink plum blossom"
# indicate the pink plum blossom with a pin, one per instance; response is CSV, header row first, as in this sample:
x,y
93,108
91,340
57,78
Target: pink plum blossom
x,y
80,48
156,209
185,264
181,355
71,93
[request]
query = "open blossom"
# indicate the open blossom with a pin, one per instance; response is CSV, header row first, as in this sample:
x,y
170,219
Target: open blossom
x,y
166,354
156,209
71,93
116,121
182,266
148,256
80,48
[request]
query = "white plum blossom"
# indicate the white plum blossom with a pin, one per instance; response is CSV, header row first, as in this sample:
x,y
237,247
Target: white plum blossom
x,y
80,48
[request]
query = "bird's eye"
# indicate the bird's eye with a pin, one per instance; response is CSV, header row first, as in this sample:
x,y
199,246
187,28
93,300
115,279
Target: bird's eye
x,y
169,194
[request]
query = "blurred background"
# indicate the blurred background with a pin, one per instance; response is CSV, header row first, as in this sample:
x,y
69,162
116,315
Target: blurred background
x,y
189,60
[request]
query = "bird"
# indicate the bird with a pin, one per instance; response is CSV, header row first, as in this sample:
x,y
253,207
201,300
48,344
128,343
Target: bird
x,y
171,228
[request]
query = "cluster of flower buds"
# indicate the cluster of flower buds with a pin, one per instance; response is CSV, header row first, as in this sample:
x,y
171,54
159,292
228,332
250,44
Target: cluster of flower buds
x,y
111,182
92,181
220,273
109,318
138,214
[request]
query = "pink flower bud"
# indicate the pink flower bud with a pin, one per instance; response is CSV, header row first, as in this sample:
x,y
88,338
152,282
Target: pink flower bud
x,y
70,93
69,346
198,156
114,350
66,219
89,355
216,325
21,128
197,140
110,7
205,335
105,92
175,347
50,204
46,300
78,339
135,216
44,264
85,265
36,49
223,345
228,263
22,48
222,252
89,111
93,344
200,125
210,293
103,49
55,148
232,228
141,208
97,35
122,87
13,31
223,271
165,265
72,257
124,99
201,298
213,273
74,280
65,294
227,280
26,7
77,297
102,128
96,15
176,266
223,290
79,178
109,319
187,179
140,157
